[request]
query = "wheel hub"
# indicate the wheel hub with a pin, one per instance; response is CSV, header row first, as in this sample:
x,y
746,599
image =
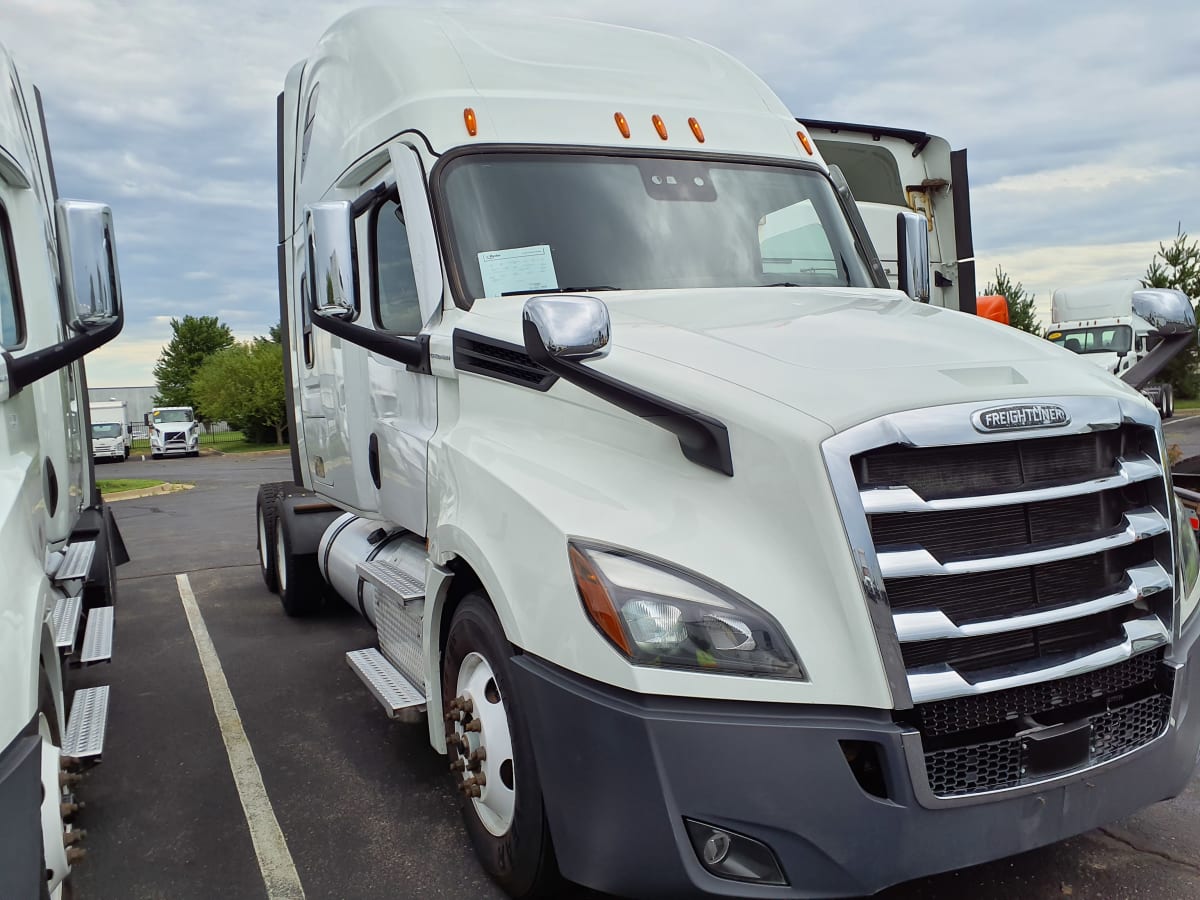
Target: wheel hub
x,y
479,744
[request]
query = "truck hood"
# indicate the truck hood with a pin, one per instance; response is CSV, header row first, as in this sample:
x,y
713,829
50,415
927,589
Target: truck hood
x,y
840,355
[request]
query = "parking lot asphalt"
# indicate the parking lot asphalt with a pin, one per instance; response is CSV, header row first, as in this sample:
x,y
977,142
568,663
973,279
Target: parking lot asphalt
x,y
363,803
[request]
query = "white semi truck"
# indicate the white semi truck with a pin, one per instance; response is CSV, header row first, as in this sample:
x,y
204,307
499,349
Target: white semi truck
x,y
60,297
110,429
1110,323
174,431
715,565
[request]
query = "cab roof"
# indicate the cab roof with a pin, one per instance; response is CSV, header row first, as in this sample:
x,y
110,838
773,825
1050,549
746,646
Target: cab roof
x,y
530,80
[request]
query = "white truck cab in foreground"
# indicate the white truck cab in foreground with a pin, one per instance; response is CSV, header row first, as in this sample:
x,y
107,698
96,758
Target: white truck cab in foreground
x,y
717,566
60,298
174,431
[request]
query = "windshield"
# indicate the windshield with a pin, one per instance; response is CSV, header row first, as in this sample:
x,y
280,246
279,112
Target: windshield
x,y
536,222
1104,339
106,430
163,416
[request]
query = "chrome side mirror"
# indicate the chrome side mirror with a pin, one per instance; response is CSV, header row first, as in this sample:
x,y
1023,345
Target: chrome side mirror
x,y
568,327
1169,311
88,258
912,252
328,229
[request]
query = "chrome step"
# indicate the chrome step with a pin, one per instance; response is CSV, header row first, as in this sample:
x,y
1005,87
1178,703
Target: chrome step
x,y
98,638
85,727
74,562
66,621
393,691
392,579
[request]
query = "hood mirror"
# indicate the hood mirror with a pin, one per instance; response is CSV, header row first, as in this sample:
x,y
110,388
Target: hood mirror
x,y
1169,311
567,327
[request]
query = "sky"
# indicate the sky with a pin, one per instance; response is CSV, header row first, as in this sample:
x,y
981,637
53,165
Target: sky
x,y
1082,123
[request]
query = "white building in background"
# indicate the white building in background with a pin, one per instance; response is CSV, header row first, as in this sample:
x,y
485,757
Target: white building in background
x,y
139,399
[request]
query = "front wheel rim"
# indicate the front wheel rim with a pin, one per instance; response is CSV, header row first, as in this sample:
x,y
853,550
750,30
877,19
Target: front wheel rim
x,y
484,741
280,560
264,547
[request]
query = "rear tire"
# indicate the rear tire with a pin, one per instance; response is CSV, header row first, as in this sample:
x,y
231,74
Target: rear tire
x,y
510,834
266,515
301,588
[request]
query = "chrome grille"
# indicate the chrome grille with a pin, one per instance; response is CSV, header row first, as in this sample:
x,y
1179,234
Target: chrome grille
x,y
1020,584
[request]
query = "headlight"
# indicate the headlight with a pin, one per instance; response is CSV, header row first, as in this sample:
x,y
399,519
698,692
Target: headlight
x,y
1187,556
659,615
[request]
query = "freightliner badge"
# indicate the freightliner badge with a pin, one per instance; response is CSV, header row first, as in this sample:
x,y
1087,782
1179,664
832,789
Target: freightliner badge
x,y
1019,417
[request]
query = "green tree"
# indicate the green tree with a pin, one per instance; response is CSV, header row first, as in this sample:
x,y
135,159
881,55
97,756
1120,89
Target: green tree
x,y
244,386
194,339
1021,312
1178,266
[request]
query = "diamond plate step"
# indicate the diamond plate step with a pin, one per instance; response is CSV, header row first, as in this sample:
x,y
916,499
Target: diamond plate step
x,y
66,621
85,727
393,691
76,561
392,579
98,638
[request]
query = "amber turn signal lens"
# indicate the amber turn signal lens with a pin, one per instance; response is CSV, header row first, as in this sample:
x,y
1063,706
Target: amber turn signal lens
x,y
596,600
622,124
696,129
808,147
471,121
659,125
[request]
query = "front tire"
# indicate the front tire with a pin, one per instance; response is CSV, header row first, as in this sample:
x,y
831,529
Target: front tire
x,y
506,822
266,521
301,588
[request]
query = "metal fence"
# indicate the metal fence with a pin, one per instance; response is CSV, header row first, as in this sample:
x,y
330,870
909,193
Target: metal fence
x,y
213,433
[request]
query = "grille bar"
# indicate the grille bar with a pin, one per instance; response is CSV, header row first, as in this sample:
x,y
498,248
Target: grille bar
x,y
933,624
942,682
1142,523
901,498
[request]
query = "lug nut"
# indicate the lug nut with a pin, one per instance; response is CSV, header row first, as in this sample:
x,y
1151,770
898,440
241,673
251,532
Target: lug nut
x,y
69,762
75,855
68,778
74,836
458,765
66,810
473,725
479,755
473,791
467,705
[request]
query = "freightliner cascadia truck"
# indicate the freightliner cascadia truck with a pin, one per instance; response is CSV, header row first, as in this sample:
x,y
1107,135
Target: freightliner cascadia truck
x,y
60,297
714,564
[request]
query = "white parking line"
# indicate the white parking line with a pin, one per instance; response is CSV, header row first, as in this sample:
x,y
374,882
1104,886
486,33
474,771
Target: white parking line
x,y
274,860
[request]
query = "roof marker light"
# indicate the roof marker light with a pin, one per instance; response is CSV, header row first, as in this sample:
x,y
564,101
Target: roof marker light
x,y
471,121
808,147
622,124
659,125
696,129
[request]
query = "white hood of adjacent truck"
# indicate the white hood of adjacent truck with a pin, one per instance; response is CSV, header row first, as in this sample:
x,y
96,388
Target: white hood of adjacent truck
x,y
842,356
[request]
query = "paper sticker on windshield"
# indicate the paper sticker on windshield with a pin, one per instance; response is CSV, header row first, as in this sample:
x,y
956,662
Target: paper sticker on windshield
x,y
520,270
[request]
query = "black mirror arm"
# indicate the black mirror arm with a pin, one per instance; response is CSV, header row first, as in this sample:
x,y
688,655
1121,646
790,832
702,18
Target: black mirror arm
x,y
413,352
25,370
702,439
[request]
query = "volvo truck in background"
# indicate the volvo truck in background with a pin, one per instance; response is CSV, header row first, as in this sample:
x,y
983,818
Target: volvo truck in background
x,y
174,431
1113,324
110,429
60,298
685,620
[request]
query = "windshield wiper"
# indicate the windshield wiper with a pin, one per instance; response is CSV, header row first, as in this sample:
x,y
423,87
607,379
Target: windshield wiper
x,y
781,284
563,290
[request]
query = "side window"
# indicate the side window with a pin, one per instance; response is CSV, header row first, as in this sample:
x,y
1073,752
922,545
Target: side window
x,y
310,117
12,327
793,242
394,289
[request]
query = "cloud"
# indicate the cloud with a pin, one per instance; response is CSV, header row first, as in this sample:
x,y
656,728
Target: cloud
x,y
1078,117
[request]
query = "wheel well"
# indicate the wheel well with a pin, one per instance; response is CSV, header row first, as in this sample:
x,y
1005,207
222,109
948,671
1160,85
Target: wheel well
x,y
464,582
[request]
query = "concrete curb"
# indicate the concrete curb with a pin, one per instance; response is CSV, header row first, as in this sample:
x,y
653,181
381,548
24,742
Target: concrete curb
x,y
252,454
166,487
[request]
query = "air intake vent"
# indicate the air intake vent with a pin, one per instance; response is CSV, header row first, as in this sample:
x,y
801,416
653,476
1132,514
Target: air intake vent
x,y
499,359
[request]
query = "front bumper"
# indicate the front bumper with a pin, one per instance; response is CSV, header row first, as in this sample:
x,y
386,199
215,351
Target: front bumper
x,y
621,771
117,452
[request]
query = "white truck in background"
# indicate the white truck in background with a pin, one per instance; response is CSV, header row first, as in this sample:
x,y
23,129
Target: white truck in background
x,y
60,298
110,429
1107,323
174,431
715,565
